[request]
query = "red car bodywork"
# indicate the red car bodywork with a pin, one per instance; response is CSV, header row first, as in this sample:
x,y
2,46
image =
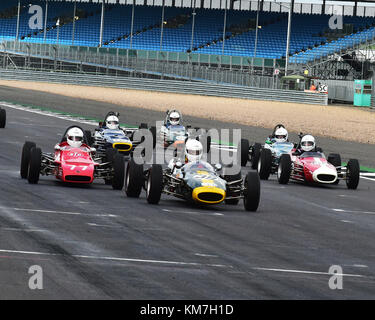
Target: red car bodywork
x,y
314,168
74,164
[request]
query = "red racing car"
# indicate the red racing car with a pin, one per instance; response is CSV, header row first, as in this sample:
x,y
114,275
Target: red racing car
x,y
73,161
311,166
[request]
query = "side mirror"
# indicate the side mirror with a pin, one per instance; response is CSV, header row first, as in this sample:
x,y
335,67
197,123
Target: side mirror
x,y
178,164
57,147
218,167
93,150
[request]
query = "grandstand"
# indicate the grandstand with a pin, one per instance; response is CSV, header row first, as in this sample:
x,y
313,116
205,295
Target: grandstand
x,y
208,28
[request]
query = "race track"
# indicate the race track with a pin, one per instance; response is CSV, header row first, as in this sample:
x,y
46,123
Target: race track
x,y
93,242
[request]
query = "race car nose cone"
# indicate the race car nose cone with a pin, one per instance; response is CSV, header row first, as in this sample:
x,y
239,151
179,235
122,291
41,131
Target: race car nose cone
x,y
325,175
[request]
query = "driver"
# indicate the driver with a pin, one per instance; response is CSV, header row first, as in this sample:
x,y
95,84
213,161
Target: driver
x,y
112,122
173,118
74,137
279,135
307,144
193,155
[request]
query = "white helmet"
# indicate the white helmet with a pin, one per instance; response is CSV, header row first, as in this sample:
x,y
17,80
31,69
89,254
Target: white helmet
x,y
174,118
307,143
112,122
281,135
74,137
193,150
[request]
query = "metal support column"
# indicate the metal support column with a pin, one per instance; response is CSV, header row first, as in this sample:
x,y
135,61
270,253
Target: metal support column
x,y
101,25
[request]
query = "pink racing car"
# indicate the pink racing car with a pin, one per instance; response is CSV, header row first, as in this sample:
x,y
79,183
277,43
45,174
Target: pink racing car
x,y
313,167
71,163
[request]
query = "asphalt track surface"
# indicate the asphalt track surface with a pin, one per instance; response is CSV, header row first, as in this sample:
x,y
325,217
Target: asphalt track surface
x,y
93,242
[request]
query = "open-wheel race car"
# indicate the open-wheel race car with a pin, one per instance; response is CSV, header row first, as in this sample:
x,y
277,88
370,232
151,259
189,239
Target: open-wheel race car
x,y
265,158
3,118
199,183
110,135
313,167
72,162
172,132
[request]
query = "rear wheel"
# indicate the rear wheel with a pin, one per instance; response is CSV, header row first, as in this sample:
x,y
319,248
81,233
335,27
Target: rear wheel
x,y
3,118
25,158
134,179
153,132
265,164
252,191
284,169
143,126
335,160
352,174
243,152
118,172
154,184
231,178
255,154
34,165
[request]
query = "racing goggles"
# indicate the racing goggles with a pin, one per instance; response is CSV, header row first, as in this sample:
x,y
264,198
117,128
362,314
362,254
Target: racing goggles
x,y
75,138
175,119
281,137
307,143
194,152
112,122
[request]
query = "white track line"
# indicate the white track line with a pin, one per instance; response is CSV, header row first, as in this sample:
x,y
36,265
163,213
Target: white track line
x,y
59,212
50,114
181,263
311,272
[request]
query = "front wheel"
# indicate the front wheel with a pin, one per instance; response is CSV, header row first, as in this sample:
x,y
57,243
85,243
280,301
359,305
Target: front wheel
x,y
34,165
25,158
154,184
243,152
153,132
252,191
284,169
118,172
255,154
134,179
352,174
265,164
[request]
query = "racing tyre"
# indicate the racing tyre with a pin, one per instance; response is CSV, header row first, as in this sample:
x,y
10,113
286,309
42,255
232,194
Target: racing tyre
x,y
255,154
154,184
208,141
265,164
243,156
25,158
352,174
118,172
34,165
109,154
231,178
89,138
335,160
3,118
252,191
153,132
134,179
284,169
